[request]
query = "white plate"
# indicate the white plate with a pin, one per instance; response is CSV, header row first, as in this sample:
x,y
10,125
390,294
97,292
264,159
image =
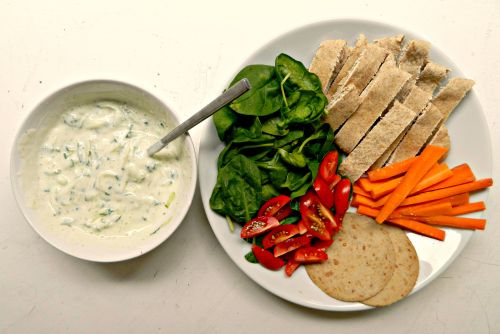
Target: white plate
x,y
470,143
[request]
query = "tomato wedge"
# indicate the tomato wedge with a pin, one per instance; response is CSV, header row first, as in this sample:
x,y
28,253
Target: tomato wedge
x,y
278,207
324,192
310,255
302,227
328,166
279,234
291,266
258,225
267,259
317,218
291,244
341,196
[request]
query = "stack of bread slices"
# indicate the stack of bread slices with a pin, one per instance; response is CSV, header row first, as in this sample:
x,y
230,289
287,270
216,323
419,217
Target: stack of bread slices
x,y
386,99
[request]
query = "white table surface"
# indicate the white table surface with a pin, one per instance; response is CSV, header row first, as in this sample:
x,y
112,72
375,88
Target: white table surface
x,y
185,52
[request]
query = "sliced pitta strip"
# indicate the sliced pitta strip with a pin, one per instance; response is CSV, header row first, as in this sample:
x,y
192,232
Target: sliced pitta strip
x,y
418,135
405,273
416,101
441,138
412,60
349,62
376,99
376,141
431,76
360,261
391,44
327,60
342,107
414,56
450,96
365,68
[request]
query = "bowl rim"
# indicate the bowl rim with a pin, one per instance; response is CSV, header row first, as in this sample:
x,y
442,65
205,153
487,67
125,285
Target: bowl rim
x,y
147,245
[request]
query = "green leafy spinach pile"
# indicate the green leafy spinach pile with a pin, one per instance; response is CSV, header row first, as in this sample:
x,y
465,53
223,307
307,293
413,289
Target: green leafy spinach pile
x,y
274,138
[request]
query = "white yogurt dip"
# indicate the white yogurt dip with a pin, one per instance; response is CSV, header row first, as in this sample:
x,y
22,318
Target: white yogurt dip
x,y
93,173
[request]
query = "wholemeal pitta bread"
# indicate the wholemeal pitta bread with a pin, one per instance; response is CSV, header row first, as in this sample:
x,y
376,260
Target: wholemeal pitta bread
x,y
405,273
413,58
431,76
376,141
360,261
416,101
327,61
391,44
349,62
342,107
376,99
424,127
441,138
450,96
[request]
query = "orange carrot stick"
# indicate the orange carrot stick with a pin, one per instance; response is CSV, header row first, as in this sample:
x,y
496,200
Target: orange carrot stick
x,y
358,190
391,170
443,208
420,228
458,222
447,192
467,208
461,174
362,200
437,174
383,188
455,200
365,184
430,155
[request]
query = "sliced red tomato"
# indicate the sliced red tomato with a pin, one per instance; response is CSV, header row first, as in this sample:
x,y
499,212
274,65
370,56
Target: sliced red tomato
x,y
336,180
291,244
302,227
341,196
324,192
310,255
291,266
278,207
322,244
328,166
279,234
317,218
258,225
267,259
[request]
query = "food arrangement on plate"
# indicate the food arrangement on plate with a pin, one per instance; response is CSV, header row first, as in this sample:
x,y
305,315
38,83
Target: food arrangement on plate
x,y
282,178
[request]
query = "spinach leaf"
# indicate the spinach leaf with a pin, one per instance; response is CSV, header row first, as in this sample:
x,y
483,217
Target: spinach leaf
x,y
224,120
238,191
250,257
290,137
295,158
309,108
258,75
290,220
268,192
298,75
295,180
259,101
271,127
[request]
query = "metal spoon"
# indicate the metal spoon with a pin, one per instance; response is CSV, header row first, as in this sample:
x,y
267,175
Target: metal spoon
x,y
227,97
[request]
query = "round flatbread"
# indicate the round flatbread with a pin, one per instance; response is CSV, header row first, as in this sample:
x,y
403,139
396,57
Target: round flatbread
x,y
360,261
405,272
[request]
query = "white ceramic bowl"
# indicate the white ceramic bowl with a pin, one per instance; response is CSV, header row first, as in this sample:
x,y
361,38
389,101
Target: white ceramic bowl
x,y
90,246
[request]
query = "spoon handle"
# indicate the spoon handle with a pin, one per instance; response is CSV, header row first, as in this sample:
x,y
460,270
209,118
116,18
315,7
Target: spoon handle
x,y
227,97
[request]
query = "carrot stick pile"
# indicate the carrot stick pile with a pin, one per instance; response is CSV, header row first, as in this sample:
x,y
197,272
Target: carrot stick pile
x,y
420,193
